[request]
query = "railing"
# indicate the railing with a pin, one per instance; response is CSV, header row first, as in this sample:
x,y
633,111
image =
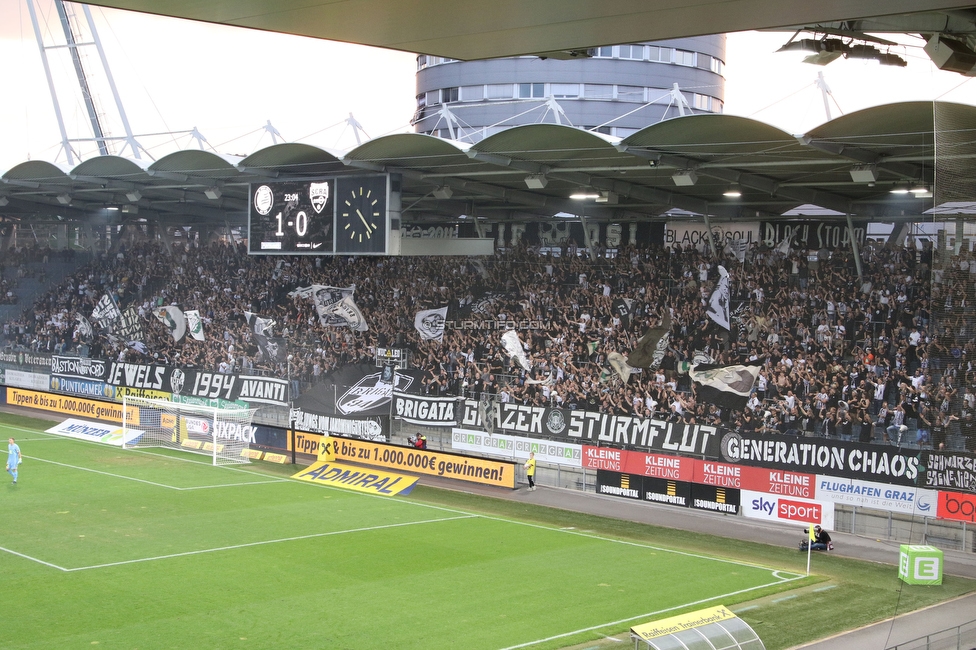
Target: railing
x,y
960,637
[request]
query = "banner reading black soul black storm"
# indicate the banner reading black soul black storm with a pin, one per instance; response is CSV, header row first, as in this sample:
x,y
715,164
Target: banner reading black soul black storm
x,y
603,428
426,410
881,463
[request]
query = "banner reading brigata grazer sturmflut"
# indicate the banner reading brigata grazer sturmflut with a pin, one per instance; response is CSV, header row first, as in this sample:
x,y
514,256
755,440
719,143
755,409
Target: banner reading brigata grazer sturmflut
x,y
600,428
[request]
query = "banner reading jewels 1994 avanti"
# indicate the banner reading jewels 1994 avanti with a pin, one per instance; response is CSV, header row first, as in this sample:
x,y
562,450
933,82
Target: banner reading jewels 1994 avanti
x,y
600,428
69,371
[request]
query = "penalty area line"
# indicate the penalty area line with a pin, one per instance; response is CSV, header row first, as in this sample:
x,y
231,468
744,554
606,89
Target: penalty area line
x,y
593,628
261,543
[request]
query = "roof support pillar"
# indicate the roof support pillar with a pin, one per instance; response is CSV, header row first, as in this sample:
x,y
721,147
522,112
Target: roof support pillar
x,y
854,248
708,229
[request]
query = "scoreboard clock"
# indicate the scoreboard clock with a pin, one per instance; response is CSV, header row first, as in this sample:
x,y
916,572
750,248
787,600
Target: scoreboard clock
x,y
361,224
338,215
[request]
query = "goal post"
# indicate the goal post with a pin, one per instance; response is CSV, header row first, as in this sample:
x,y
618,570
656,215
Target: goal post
x,y
221,433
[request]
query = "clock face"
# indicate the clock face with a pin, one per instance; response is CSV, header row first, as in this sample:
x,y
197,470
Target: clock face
x,y
362,222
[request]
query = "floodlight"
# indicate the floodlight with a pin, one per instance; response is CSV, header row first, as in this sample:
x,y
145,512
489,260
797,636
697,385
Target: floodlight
x,y
864,173
443,192
64,199
733,192
134,195
536,182
213,193
685,178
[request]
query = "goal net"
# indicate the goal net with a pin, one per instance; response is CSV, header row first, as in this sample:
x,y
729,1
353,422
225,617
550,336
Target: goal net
x,y
223,434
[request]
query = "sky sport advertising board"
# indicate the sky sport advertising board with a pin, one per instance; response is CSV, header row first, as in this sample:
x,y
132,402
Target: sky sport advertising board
x,y
787,510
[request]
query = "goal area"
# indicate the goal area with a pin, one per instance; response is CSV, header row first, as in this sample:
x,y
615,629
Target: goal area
x,y
223,434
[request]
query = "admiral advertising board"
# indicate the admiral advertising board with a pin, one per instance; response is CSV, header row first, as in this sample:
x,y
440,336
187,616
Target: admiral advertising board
x,y
594,427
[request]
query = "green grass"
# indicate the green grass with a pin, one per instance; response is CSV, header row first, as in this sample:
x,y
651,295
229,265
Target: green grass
x,y
157,550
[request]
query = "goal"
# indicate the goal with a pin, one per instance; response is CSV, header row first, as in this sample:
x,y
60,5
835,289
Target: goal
x,y
221,433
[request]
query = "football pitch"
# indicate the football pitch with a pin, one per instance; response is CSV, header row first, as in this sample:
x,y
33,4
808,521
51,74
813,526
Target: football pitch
x,y
107,548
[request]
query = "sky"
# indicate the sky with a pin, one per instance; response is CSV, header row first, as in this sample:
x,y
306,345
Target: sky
x,y
228,83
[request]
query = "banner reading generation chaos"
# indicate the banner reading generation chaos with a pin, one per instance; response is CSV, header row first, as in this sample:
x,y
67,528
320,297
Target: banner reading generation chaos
x,y
433,463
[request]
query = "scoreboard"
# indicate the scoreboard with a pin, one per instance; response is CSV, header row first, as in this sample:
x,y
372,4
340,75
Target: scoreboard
x,y
329,216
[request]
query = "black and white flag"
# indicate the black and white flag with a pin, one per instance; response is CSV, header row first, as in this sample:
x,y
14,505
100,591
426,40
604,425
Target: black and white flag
x,y
727,386
261,328
349,312
718,303
129,327
652,347
430,324
84,328
326,300
624,308
515,349
106,312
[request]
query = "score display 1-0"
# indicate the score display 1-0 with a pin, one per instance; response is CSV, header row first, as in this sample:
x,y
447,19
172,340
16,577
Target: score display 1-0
x,y
295,218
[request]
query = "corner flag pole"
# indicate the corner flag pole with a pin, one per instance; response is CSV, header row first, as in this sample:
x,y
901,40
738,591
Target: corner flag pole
x,y
810,540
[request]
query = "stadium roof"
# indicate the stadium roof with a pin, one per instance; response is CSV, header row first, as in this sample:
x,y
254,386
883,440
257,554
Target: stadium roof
x,y
679,168
470,29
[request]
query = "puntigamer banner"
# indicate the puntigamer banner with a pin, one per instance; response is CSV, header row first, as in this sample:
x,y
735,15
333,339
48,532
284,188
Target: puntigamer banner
x,y
603,428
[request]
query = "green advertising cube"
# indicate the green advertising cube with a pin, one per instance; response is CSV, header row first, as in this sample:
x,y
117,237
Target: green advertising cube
x,y
920,565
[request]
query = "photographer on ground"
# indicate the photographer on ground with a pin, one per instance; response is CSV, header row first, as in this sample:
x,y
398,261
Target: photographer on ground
x,y
821,540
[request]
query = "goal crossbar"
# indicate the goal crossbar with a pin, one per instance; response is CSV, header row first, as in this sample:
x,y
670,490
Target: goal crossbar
x,y
224,434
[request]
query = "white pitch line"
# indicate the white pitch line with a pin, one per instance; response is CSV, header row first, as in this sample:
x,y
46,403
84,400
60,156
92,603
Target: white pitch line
x,y
33,559
633,618
163,485
97,471
222,485
262,543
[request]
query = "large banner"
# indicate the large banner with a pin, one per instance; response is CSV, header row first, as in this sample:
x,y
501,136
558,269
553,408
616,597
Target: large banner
x,y
878,496
22,379
427,411
951,471
518,448
190,382
603,428
67,405
34,360
878,463
787,510
696,235
812,235
376,428
677,493
359,391
81,368
462,468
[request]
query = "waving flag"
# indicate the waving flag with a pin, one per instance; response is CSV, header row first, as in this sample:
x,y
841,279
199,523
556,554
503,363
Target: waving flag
x,y
515,349
727,386
652,346
173,319
194,324
718,304
430,324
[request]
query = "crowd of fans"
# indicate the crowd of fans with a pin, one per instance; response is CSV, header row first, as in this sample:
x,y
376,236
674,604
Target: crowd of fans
x,y
889,356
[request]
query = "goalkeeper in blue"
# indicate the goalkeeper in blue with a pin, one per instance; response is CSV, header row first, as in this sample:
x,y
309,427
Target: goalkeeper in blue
x,y
13,458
